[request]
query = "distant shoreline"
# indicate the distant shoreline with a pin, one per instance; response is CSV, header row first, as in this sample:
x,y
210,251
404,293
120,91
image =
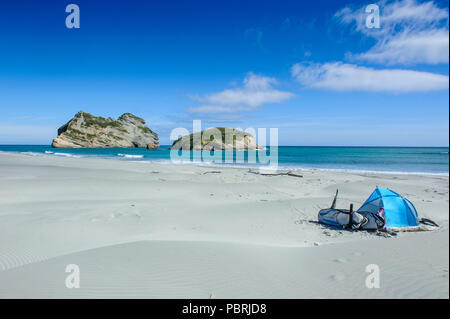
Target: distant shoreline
x,y
316,146
138,159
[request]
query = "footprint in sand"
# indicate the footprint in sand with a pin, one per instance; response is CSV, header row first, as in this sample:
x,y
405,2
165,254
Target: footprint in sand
x,y
341,260
338,276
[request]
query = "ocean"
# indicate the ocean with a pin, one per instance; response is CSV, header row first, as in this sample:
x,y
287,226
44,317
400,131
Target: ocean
x,y
433,160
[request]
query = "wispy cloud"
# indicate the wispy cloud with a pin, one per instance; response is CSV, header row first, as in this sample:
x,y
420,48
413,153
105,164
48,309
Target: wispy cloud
x,y
431,47
410,33
349,77
256,91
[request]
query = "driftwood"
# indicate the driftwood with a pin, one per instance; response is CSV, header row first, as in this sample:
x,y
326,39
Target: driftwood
x,y
212,172
288,173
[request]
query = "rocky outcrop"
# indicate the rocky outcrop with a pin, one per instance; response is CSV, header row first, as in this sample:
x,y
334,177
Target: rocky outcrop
x,y
88,131
152,146
218,138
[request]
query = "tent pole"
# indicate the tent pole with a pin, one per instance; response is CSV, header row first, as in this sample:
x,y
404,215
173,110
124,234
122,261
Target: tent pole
x,y
350,217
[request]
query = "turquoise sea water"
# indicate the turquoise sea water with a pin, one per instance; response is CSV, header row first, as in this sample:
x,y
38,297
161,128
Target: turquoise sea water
x,y
385,159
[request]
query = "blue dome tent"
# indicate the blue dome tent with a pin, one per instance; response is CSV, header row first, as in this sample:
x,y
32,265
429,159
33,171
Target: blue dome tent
x,y
399,213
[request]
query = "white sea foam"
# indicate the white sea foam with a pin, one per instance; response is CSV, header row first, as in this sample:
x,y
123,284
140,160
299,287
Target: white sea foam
x,y
30,153
130,155
66,155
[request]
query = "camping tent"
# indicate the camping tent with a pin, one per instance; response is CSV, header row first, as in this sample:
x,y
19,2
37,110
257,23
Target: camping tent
x,y
399,212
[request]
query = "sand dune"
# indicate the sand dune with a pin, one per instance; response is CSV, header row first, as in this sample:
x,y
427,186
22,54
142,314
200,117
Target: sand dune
x,y
149,230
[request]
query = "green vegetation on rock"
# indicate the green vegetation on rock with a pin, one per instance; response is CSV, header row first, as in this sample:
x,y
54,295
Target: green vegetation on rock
x,y
87,130
204,135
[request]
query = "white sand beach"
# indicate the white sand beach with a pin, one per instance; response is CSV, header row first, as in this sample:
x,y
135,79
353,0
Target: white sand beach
x,y
148,230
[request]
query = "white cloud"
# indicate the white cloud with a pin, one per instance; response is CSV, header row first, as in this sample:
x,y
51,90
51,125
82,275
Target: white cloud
x,y
429,47
256,91
413,13
349,77
410,33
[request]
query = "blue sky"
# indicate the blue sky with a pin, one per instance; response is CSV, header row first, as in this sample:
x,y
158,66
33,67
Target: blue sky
x,y
310,68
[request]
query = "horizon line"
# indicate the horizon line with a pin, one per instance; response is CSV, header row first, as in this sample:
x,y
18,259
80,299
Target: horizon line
x,y
374,146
